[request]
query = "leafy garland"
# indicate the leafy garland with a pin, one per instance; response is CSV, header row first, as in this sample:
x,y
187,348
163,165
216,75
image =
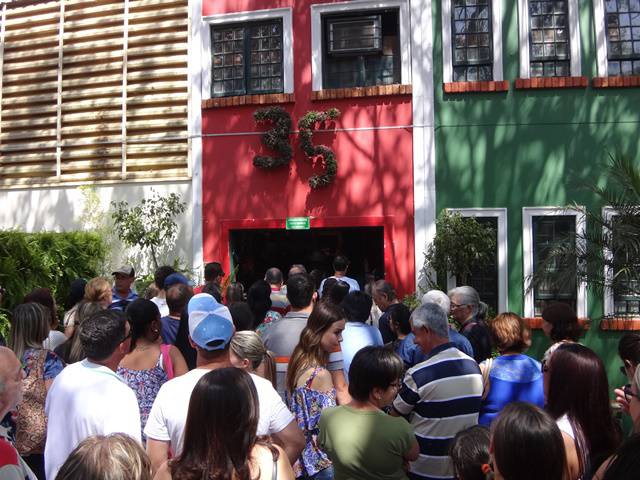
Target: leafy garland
x,y
276,139
305,125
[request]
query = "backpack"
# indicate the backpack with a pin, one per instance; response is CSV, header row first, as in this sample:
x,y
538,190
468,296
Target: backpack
x,y
31,425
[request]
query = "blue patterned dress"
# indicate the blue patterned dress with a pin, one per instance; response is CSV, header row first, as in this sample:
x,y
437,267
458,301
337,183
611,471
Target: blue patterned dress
x,y
307,405
145,384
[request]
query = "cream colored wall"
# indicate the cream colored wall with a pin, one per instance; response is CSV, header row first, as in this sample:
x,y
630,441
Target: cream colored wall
x,y
75,208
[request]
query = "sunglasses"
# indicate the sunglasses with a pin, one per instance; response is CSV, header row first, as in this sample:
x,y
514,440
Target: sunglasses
x,y
628,393
543,367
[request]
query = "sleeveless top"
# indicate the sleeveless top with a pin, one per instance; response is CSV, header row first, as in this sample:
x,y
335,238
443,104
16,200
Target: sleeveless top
x,y
307,405
145,384
512,378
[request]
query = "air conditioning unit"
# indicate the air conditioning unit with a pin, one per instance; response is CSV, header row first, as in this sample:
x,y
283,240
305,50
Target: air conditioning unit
x,y
354,35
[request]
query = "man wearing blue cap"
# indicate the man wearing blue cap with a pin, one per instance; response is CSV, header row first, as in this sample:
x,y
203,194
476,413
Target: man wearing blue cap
x,y
210,331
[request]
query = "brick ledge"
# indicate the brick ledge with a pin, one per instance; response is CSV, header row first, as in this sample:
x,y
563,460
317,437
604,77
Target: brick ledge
x,y
474,87
620,323
551,82
535,323
357,92
264,99
630,81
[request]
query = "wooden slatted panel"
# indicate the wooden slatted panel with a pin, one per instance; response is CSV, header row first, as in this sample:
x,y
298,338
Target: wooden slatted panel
x,y
91,98
87,129
157,86
29,93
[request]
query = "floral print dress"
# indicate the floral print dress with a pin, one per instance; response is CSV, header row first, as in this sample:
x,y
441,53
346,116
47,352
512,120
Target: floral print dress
x,y
145,384
307,405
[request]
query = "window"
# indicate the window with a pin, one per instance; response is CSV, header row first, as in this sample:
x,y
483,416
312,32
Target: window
x,y
491,281
360,43
361,50
471,40
549,47
543,229
246,53
549,32
547,232
472,34
247,58
623,37
623,300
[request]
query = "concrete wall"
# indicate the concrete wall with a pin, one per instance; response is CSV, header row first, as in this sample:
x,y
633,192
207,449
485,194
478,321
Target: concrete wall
x,y
83,208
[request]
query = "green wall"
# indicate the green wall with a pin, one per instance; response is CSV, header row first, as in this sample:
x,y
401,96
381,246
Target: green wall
x,y
532,148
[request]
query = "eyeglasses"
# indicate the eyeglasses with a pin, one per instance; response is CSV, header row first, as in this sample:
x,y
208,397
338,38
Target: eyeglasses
x,y
455,305
628,393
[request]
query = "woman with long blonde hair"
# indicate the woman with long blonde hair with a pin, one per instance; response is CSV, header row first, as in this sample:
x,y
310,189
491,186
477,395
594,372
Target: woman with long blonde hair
x,y
309,387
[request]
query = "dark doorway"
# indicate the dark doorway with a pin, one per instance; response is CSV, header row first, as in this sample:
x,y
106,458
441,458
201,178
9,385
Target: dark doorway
x,y
254,251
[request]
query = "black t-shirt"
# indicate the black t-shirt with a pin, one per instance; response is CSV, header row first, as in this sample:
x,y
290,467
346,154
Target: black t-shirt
x,y
477,332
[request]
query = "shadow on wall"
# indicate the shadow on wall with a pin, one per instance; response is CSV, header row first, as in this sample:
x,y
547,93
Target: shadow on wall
x,y
87,208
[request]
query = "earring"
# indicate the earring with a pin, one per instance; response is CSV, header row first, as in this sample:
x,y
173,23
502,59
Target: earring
x,y
487,470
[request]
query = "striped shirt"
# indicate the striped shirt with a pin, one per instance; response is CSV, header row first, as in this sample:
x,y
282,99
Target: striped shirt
x,y
440,397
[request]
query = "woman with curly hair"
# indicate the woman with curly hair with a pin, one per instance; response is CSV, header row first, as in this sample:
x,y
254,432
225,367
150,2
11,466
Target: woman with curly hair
x,y
220,434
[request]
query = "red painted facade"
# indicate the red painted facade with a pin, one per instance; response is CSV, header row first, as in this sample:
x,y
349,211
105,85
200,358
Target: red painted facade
x,y
374,185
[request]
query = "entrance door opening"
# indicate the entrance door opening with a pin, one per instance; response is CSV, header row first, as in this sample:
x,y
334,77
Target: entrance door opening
x,y
254,251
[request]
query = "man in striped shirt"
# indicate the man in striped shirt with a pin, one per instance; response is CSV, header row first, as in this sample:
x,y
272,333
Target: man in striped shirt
x,y
439,396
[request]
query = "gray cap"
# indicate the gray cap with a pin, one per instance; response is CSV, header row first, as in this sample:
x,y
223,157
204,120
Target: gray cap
x,y
126,270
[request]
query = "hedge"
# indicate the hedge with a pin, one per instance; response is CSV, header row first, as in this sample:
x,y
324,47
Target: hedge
x,y
47,259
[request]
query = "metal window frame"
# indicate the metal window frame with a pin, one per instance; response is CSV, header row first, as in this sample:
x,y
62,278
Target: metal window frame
x,y
332,20
357,56
548,59
488,63
246,39
620,57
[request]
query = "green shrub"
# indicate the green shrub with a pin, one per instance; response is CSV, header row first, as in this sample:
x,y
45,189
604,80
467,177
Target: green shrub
x,y
48,259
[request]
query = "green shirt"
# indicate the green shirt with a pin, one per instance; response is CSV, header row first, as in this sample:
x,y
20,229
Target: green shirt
x,y
365,444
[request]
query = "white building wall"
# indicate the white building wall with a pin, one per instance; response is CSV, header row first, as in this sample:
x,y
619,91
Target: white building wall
x,y
70,208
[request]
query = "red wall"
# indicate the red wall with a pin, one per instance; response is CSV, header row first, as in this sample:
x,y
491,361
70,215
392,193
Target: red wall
x,y
374,184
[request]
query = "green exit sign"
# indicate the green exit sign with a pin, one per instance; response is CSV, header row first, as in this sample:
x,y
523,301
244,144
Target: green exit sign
x,y
298,223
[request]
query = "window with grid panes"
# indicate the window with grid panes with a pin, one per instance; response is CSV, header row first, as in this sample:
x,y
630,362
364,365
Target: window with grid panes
x,y
361,50
548,230
485,280
247,59
623,37
472,40
549,38
626,292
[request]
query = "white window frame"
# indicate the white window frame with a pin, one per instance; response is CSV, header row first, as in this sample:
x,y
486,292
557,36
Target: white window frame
x,y
609,300
574,38
447,40
208,21
601,37
527,254
503,281
317,45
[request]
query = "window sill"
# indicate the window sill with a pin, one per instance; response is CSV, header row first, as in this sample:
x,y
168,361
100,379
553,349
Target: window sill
x,y
630,81
620,323
551,82
535,323
356,92
476,87
265,99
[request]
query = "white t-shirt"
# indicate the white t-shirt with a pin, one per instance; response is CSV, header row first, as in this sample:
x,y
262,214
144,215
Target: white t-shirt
x,y
86,399
162,306
169,412
54,340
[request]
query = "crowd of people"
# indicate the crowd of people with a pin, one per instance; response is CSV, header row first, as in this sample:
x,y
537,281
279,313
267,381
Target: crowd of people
x,y
309,378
